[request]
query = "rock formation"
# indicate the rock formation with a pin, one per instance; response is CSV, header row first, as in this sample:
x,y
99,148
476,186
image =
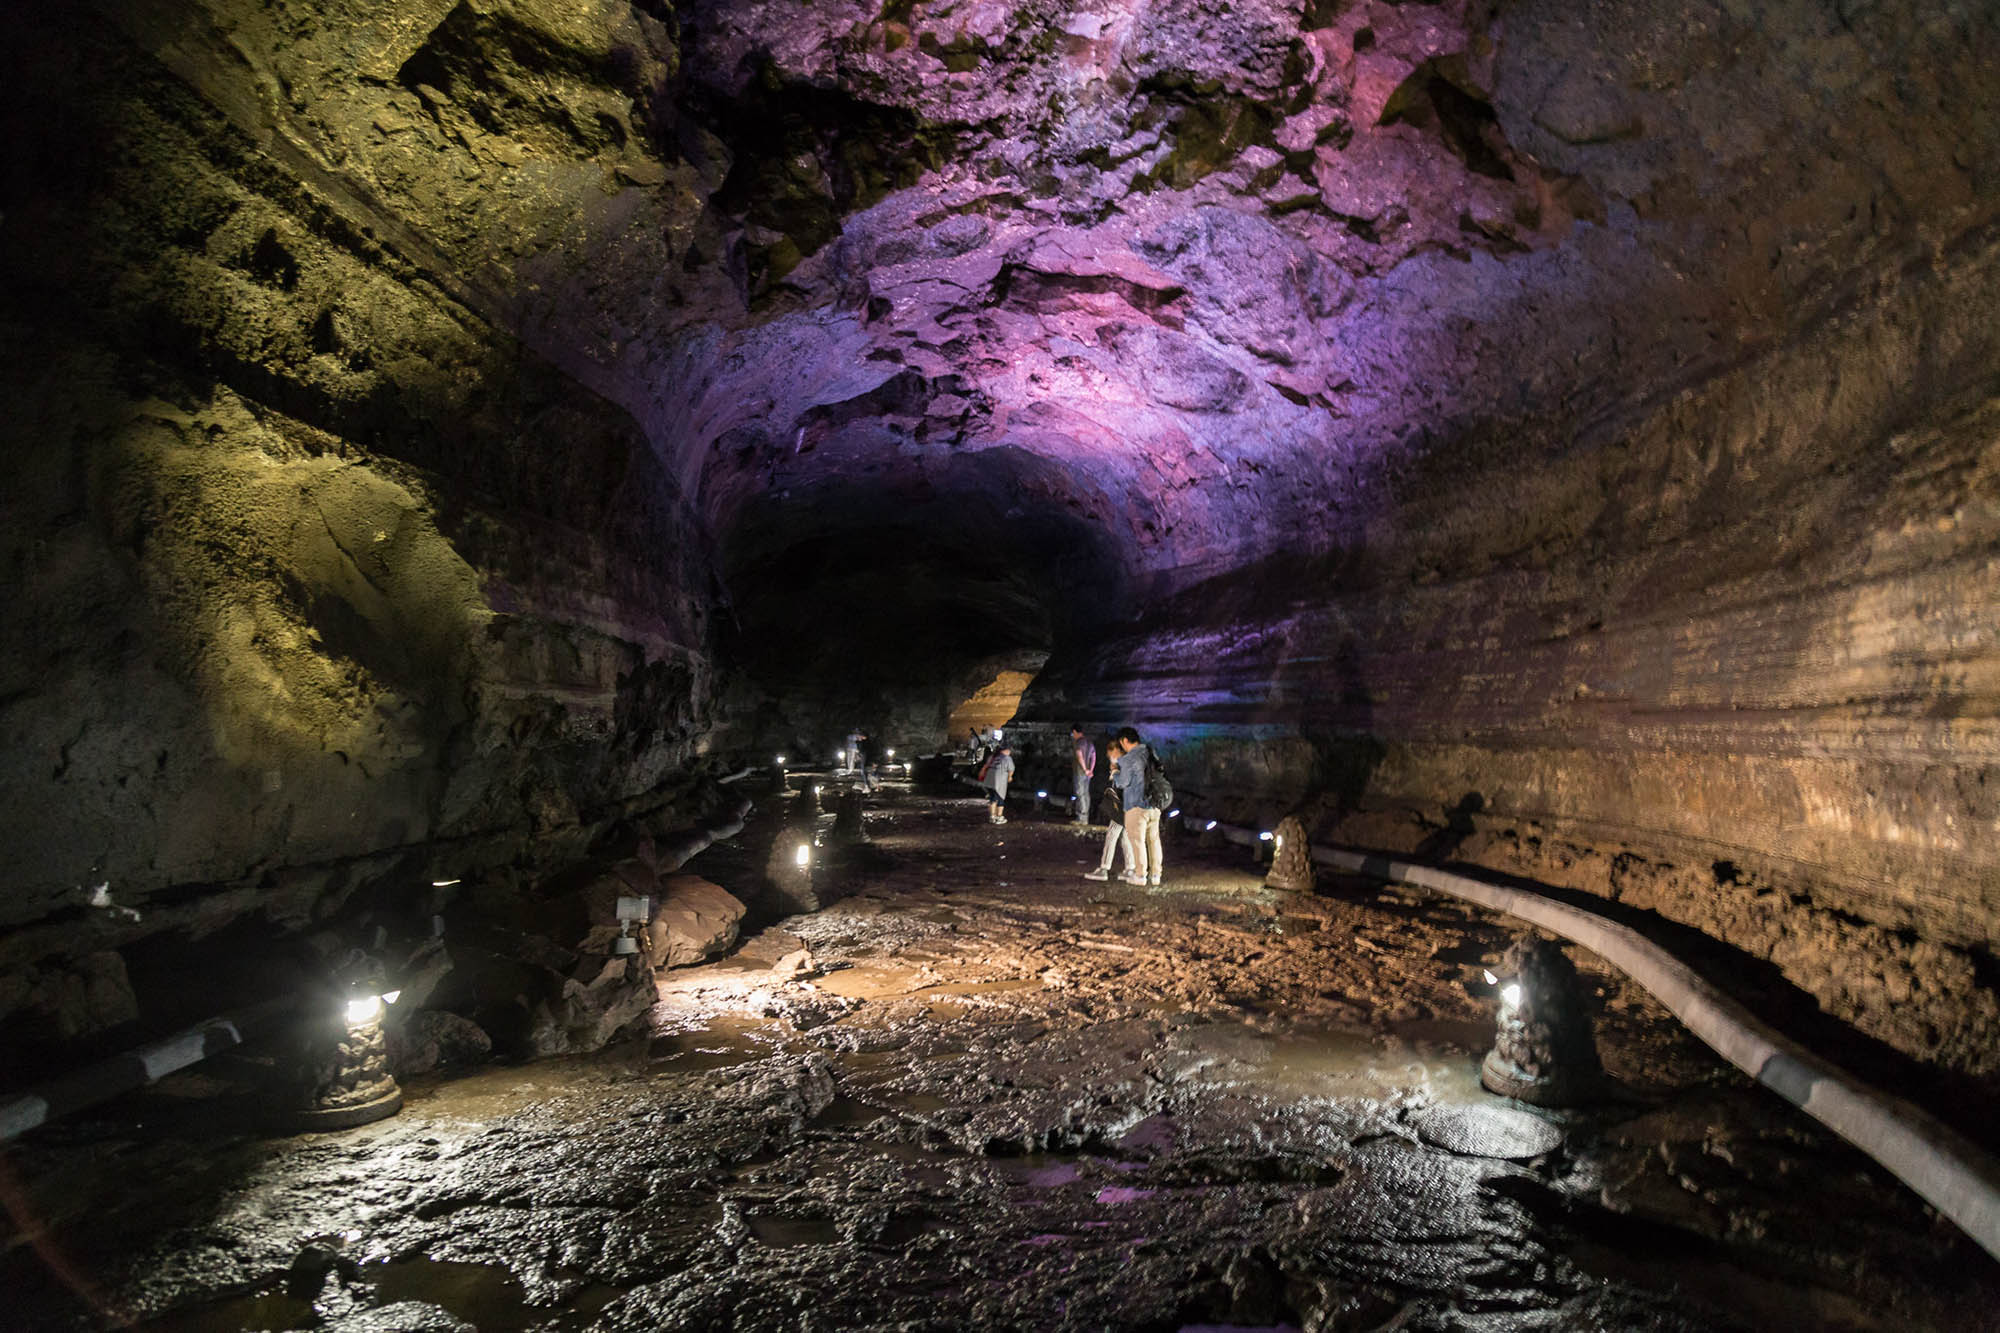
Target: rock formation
x,y
433,429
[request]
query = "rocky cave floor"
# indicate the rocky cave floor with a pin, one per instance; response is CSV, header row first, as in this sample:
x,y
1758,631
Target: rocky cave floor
x,y
1013,1099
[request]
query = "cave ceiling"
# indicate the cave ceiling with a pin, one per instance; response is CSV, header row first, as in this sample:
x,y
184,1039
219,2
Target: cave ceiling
x,y
1117,293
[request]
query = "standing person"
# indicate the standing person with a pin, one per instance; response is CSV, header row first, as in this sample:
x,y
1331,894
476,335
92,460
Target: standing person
x,y
1082,771
1142,822
851,756
1112,813
997,774
865,759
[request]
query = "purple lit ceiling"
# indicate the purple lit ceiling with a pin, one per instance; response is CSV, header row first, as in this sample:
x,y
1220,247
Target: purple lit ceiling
x,y
1232,269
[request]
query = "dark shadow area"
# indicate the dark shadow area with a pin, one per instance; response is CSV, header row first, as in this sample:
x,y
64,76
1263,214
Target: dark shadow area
x,y
876,603
1458,827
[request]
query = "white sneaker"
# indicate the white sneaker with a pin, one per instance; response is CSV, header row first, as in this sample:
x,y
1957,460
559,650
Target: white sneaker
x,y
1137,880
1154,881
1001,820
1099,875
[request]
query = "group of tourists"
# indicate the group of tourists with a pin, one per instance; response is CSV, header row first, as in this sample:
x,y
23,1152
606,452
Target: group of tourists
x,y
1132,804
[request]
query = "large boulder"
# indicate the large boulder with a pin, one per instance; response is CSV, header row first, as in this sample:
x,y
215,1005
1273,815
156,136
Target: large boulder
x,y
696,920
600,998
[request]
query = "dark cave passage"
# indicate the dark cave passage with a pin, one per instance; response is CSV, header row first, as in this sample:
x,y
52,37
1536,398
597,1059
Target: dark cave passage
x,y
475,474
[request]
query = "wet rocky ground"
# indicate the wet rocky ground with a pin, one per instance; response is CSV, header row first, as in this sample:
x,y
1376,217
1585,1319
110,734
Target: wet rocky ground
x,y
1003,1097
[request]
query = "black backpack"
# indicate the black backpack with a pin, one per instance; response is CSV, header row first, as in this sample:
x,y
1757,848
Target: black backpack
x,y
1159,791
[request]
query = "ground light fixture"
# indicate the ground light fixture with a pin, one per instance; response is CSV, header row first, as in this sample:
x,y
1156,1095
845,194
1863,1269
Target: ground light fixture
x,y
1291,858
802,857
1544,1051
781,761
341,1061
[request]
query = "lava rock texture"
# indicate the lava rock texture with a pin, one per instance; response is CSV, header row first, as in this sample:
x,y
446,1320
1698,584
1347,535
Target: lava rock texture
x,y
1560,438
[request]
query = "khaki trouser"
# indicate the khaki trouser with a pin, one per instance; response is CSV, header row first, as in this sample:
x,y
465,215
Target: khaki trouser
x,y
1142,843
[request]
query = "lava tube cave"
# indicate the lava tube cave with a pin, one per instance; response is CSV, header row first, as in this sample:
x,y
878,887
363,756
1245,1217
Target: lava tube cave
x,y
1169,665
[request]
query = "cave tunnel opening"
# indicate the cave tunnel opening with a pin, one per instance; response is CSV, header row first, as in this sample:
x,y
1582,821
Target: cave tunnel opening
x,y
888,605
468,468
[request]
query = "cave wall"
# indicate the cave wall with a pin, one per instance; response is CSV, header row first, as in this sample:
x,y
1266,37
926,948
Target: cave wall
x,y
1713,637
1741,669
324,581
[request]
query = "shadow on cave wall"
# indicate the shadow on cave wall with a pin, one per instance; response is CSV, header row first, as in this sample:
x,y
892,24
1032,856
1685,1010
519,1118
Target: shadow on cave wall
x,y
1445,842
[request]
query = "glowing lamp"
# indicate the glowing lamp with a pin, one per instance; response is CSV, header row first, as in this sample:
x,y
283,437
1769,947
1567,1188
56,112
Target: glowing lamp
x,y
781,759
363,1009
1491,980
1265,836
391,996
443,883
1543,1049
1041,796
890,753
803,856
1173,814
1210,828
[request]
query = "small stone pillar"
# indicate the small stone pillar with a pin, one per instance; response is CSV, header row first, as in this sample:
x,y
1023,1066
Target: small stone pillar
x,y
849,824
1291,858
789,871
780,780
806,808
1544,1051
343,1069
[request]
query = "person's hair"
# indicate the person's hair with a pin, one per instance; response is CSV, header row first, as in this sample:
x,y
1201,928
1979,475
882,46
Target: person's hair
x,y
1130,735
1076,727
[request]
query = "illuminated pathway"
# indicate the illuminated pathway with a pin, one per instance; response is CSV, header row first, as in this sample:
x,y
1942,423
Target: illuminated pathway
x,y
1014,1099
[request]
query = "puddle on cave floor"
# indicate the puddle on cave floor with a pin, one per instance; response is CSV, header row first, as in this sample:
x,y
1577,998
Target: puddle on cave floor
x,y
722,1043
486,1296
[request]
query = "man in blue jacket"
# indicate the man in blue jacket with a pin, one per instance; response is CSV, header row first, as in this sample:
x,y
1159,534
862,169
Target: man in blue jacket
x,y
1142,823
